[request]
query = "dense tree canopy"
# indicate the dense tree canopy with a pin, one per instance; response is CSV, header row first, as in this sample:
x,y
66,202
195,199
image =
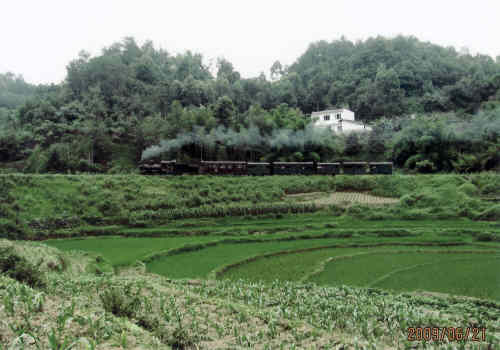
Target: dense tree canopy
x,y
14,91
390,77
112,107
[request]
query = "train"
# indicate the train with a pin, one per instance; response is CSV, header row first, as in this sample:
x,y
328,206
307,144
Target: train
x,y
235,168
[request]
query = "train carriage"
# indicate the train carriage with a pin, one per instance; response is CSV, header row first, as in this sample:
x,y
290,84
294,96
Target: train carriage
x,y
383,168
294,168
328,168
168,167
223,168
355,168
150,169
259,169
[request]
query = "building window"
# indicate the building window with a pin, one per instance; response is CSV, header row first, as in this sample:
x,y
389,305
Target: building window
x,y
326,117
338,116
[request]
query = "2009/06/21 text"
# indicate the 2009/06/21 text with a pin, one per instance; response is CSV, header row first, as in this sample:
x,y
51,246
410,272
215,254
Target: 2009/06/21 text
x,y
449,333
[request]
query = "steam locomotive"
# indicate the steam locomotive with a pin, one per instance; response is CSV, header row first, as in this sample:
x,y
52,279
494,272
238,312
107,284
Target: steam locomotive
x,y
260,169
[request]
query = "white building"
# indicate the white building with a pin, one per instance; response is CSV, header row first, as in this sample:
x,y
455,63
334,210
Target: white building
x,y
338,120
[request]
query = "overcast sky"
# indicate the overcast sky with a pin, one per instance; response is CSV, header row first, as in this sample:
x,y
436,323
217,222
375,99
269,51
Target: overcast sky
x,y
39,38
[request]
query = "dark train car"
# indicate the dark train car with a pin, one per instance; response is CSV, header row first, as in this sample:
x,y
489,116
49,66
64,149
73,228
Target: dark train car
x,y
168,167
355,168
150,169
383,168
294,168
259,169
186,169
223,168
328,168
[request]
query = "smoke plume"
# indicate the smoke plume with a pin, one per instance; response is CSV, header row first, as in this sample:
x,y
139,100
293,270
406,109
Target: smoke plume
x,y
246,138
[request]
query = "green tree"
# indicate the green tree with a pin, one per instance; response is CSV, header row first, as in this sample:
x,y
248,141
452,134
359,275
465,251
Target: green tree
x,y
224,111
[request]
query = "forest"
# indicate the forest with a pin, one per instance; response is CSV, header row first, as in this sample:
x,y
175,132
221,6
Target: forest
x,y
431,109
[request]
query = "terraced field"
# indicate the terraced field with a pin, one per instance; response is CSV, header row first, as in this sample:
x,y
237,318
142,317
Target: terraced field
x,y
81,307
478,277
354,270
341,198
472,274
200,263
300,265
463,270
125,251
309,248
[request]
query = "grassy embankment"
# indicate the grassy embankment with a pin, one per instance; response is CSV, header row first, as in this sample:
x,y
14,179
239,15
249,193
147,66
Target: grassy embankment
x,y
55,205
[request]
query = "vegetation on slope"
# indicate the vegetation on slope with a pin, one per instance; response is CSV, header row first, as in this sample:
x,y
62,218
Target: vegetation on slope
x,y
37,206
85,305
50,298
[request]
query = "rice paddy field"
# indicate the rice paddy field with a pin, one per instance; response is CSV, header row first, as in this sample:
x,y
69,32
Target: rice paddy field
x,y
326,254
222,262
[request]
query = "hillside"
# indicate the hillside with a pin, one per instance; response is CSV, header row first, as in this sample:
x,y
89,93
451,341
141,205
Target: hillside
x,y
388,77
204,262
80,302
114,106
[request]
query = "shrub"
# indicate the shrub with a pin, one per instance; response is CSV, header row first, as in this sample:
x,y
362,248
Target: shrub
x,y
357,210
469,189
108,207
336,210
194,201
492,213
379,215
20,269
86,166
489,189
36,162
416,214
485,237
344,235
181,339
11,229
120,303
425,167
394,233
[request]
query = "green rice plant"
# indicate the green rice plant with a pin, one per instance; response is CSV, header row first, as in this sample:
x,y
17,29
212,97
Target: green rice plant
x,y
476,277
372,269
200,263
125,251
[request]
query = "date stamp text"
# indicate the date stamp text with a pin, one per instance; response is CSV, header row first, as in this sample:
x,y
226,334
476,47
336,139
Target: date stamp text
x,y
446,333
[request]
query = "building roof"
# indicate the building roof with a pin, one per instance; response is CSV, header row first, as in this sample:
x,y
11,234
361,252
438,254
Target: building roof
x,y
331,111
